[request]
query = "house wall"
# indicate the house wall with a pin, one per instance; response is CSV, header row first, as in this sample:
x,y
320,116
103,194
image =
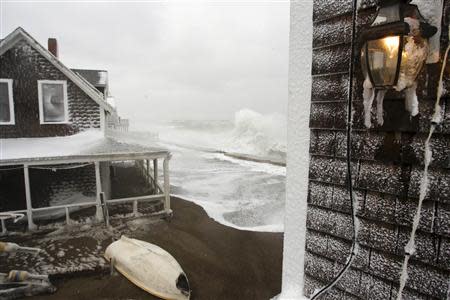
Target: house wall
x,y
26,66
386,175
46,186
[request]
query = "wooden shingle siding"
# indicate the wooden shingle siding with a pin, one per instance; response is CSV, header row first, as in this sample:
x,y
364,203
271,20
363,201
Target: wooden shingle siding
x,y
386,168
26,66
330,88
331,59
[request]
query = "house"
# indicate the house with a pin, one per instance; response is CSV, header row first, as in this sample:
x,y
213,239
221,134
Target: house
x,y
387,165
55,154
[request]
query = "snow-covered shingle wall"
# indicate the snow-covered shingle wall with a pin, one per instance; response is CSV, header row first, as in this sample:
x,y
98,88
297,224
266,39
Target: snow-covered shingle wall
x,y
387,169
47,187
26,66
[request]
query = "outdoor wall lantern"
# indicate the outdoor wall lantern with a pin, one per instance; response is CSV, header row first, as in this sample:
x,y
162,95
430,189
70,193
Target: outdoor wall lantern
x,y
394,49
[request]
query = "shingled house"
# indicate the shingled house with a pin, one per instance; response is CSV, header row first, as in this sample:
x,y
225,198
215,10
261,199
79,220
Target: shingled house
x,y
387,167
54,152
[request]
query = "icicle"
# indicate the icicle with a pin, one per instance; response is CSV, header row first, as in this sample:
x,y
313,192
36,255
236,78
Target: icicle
x,y
410,247
411,102
437,116
380,98
368,96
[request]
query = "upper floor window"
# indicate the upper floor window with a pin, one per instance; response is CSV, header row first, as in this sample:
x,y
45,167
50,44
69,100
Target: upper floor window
x,y
53,107
6,102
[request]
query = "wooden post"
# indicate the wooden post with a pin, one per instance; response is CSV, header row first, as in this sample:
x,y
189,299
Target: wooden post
x,y
148,176
135,208
4,230
68,221
99,212
166,185
31,225
155,174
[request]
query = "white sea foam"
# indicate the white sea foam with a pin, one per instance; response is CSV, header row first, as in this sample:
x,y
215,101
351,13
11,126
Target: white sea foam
x,y
249,133
240,193
254,166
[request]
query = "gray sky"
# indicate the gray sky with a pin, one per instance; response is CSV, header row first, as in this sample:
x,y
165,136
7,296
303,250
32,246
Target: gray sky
x,y
191,60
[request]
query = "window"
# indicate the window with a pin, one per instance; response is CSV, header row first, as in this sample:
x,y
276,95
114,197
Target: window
x,y
6,102
53,101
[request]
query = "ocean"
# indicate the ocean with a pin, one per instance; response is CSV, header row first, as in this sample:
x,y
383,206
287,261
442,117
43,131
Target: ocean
x,y
234,168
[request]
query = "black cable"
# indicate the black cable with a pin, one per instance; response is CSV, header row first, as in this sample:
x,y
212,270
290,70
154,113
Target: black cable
x,y
349,160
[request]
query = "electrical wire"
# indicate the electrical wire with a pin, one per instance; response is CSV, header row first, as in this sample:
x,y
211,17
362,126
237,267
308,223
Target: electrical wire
x,y
354,247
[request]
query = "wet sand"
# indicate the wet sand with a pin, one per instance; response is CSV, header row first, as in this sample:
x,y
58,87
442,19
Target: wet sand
x,y
220,262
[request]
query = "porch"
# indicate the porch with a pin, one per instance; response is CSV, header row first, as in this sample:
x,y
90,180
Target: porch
x,y
100,156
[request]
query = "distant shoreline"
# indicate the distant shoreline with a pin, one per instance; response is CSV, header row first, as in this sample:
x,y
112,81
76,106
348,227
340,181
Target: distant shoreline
x,y
253,158
241,156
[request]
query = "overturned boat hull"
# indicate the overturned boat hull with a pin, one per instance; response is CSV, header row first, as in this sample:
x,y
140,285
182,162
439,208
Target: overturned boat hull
x,y
149,267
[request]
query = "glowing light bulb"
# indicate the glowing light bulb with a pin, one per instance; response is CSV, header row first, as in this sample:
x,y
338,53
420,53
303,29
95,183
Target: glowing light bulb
x,y
391,43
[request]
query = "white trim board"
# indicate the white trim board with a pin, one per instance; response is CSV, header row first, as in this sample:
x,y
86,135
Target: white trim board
x,y
20,34
12,121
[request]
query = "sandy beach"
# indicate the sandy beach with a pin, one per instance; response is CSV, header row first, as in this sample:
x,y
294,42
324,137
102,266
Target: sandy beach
x,y
220,262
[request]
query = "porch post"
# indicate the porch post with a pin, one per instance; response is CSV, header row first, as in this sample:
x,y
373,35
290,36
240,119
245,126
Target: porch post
x,y
166,185
98,182
31,225
155,174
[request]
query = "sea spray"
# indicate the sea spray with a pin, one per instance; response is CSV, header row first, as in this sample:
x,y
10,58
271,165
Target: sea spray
x,y
213,166
257,134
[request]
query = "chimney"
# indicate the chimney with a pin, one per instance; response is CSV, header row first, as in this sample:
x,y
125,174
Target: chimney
x,y
53,46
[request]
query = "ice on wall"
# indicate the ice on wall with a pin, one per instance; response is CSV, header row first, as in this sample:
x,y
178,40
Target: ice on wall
x,y
432,10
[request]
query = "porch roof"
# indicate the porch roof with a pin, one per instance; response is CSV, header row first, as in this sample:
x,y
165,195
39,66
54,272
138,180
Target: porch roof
x,y
82,147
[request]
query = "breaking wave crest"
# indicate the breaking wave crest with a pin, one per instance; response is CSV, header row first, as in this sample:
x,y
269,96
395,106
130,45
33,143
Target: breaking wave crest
x,y
257,134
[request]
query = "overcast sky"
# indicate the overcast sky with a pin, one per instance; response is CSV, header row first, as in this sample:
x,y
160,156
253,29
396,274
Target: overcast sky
x,y
194,60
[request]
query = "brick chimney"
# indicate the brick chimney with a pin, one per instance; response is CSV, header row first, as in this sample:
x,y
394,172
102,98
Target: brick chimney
x,y
53,46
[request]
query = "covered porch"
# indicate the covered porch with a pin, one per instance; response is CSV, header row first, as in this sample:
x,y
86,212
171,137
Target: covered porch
x,y
100,157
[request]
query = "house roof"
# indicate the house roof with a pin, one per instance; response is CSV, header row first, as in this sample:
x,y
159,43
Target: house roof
x,y
86,146
98,78
20,34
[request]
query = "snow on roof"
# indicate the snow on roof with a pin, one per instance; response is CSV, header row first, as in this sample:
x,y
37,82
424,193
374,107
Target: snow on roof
x,y
98,78
111,101
88,143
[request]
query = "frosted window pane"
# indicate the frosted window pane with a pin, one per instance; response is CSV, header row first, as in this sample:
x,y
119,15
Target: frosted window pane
x,y
4,103
53,102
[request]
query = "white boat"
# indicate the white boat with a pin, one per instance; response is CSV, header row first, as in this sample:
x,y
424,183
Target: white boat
x,y
149,267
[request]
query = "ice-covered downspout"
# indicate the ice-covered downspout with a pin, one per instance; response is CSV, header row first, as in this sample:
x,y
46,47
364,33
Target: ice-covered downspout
x,y
300,62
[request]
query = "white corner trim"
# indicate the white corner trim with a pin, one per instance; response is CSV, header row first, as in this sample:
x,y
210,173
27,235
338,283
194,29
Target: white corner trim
x,y
41,102
12,120
298,138
102,120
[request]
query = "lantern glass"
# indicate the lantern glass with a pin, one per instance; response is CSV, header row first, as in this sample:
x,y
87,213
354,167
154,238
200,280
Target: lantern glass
x,y
383,60
387,14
